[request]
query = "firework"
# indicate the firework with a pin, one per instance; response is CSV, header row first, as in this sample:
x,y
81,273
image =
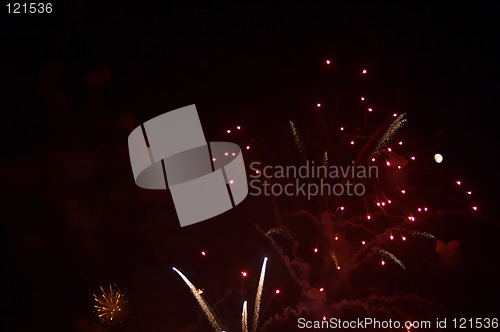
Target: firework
x,y
204,306
391,130
348,214
277,231
258,296
423,234
325,158
110,305
244,318
390,256
334,259
298,140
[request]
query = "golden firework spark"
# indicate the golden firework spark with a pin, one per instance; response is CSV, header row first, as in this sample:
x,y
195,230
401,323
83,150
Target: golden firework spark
x,y
391,256
298,140
325,158
391,130
423,234
277,231
334,258
110,305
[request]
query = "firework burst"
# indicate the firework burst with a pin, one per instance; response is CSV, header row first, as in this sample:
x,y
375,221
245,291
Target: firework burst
x,y
110,305
368,222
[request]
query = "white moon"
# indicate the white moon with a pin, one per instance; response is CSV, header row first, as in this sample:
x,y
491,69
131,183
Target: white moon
x,y
438,158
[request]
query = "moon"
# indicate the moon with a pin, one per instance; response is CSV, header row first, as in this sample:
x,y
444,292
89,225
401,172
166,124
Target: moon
x,y
438,158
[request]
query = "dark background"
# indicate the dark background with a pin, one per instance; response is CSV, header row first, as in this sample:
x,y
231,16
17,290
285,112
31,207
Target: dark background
x,y
74,83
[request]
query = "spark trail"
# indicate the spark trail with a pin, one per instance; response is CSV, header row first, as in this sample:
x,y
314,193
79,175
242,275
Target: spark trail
x,y
258,297
298,140
244,318
391,130
201,302
391,256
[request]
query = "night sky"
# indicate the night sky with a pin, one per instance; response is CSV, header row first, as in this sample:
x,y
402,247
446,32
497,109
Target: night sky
x,y
76,82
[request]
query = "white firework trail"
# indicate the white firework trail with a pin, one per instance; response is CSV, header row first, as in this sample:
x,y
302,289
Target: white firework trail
x,y
258,297
244,318
201,302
